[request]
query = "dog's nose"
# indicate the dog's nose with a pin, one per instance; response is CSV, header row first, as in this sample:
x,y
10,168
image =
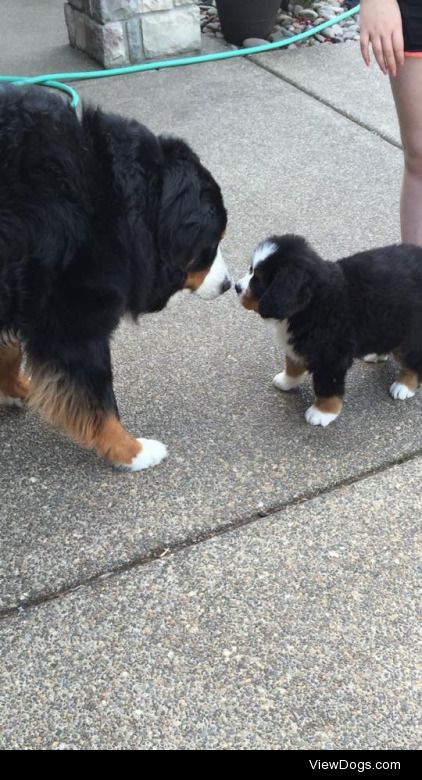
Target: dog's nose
x,y
238,288
226,285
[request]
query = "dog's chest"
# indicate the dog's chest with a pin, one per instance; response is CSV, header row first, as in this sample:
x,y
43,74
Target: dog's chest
x,y
284,337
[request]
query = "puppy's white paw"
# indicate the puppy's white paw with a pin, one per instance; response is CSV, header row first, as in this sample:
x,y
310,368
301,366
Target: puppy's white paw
x,y
283,382
373,357
314,416
400,392
6,400
152,453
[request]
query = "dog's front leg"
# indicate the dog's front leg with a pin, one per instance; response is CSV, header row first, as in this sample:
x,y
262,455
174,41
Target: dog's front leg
x,y
329,392
292,375
75,393
14,386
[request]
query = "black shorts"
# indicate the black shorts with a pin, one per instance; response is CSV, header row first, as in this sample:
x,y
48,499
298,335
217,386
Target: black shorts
x,y
411,11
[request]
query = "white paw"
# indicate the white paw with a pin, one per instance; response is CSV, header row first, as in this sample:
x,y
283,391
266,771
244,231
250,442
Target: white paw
x,y
283,382
400,392
152,453
373,357
314,416
6,400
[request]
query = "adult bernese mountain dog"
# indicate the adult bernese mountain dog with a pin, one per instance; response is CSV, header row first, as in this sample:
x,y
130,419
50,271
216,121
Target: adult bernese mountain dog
x,y
327,314
98,218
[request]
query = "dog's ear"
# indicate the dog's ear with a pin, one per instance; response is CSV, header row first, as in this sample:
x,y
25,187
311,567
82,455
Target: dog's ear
x,y
289,292
180,211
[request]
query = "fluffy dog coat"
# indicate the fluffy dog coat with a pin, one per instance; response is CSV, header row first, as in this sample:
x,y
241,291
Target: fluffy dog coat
x,y
98,218
327,314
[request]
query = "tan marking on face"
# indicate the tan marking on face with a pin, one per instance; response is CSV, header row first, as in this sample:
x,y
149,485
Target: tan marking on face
x,y
12,382
194,279
331,405
72,411
248,301
293,368
409,378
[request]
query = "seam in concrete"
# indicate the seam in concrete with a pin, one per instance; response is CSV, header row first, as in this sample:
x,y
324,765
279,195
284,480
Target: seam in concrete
x,y
206,536
365,125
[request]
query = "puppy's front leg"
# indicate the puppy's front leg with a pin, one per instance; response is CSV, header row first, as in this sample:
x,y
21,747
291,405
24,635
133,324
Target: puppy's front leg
x,y
75,393
329,392
292,376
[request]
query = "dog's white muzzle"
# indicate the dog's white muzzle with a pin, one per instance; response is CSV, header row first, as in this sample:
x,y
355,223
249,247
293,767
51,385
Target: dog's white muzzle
x,y
217,280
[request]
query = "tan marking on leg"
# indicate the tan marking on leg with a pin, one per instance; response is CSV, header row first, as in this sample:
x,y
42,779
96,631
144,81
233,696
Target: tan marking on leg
x,y
115,444
409,378
12,382
61,403
294,369
248,301
73,412
194,279
331,405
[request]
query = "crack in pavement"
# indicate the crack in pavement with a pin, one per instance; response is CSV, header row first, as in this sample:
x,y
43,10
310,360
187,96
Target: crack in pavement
x,y
205,536
306,91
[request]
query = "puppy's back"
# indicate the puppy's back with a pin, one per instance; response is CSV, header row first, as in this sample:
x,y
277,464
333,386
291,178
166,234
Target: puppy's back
x,y
398,266
385,295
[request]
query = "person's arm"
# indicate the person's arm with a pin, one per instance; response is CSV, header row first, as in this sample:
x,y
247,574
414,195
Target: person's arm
x,y
381,26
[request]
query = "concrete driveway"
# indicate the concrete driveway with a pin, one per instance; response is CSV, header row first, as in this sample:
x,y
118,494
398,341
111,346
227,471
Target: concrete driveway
x,y
259,588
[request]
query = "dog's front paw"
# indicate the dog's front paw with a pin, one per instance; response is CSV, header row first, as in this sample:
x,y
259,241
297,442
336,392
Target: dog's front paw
x,y
314,416
400,392
284,382
151,454
373,357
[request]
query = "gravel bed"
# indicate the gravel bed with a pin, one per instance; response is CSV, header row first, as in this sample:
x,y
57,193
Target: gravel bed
x,y
294,18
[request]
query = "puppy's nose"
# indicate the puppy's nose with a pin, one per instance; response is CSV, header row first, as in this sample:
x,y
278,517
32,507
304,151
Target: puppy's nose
x,y
238,288
226,285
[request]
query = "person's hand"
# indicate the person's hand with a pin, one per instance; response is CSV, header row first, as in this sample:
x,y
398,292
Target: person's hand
x,y
381,26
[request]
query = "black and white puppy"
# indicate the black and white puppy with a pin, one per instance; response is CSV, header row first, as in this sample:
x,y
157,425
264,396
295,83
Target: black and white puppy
x,y
328,313
99,218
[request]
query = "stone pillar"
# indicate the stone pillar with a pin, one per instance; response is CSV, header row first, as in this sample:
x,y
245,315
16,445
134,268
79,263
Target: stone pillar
x,y
122,32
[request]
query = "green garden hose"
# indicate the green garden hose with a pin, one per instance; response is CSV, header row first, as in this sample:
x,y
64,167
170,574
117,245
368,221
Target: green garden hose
x,y
55,80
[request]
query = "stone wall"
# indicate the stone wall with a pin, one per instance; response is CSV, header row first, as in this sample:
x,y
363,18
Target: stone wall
x,y
121,32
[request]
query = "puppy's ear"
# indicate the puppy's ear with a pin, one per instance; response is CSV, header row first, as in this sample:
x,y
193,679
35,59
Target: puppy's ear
x,y
289,292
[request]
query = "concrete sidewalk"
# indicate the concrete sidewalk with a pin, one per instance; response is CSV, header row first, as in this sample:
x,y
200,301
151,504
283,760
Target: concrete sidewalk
x,y
298,631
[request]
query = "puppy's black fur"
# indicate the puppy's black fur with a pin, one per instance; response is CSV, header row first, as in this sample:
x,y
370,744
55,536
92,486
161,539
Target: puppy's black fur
x,y
98,218
370,302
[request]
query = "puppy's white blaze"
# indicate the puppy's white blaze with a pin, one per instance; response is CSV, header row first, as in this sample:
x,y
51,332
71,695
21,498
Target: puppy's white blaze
x,y
215,278
283,382
314,416
153,452
243,283
262,252
401,392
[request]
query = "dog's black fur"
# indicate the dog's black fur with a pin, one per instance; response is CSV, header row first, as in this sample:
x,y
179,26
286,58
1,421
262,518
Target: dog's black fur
x,y
370,302
98,218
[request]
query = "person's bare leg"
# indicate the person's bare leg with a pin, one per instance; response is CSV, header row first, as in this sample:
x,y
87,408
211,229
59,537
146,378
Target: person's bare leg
x,y
407,92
